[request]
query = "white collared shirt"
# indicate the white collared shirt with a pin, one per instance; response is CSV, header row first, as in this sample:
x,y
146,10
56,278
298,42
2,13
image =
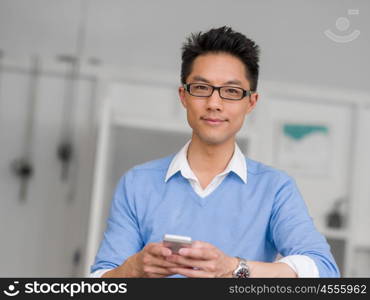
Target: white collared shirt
x,y
303,265
237,165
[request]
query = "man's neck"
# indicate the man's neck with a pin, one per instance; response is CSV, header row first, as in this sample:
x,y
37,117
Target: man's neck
x,y
209,158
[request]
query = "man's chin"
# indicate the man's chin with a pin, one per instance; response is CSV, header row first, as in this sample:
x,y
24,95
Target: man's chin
x,y
214,141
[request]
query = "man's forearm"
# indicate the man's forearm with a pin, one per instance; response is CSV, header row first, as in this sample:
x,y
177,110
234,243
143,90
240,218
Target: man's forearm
x,y
127,269
272,270
261,269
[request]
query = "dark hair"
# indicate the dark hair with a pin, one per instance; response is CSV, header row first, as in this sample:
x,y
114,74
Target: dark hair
x,y
223,39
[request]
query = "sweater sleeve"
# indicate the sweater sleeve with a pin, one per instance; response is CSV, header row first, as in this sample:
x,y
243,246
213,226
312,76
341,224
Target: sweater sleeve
x,y
122,235
293,232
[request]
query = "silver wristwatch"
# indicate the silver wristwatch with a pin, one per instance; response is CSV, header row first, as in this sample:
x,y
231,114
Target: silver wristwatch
x,y
242,270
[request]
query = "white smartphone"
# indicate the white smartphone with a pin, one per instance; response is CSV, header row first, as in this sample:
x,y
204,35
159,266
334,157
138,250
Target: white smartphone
x,y
176,242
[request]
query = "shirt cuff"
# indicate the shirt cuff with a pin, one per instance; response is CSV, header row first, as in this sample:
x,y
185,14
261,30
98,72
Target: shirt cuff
x,y
303,265
99,273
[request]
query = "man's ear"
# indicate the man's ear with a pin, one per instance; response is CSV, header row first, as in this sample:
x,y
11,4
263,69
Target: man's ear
x,y
253,99
182,96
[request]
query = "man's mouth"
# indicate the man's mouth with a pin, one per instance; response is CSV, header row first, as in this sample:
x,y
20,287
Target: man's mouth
x,y
213,121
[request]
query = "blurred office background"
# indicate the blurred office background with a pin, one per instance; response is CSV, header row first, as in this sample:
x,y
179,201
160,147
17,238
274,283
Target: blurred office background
x,y
88,88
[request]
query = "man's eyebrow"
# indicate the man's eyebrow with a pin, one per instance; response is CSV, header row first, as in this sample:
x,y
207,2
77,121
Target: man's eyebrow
x,y
235,81
200,78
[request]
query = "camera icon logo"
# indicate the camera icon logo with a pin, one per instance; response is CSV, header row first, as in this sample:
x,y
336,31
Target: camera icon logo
x,y
12,291
342,24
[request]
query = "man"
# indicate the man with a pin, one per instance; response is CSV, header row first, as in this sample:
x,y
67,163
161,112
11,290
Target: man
x,y
240,212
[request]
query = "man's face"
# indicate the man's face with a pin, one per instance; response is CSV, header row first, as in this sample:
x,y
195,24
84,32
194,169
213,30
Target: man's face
x,y
215,120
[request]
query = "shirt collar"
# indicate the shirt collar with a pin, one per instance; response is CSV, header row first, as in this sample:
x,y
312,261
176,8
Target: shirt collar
x,y
180,163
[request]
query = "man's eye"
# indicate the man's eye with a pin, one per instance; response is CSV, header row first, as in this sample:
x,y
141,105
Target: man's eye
x,y
232,91
201,87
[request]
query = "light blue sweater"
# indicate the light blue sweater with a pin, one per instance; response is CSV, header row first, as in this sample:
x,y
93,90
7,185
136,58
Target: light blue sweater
x,y
256,220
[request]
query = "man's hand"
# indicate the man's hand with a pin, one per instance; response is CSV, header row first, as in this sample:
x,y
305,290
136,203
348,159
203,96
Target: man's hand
x,y
149,262
203,260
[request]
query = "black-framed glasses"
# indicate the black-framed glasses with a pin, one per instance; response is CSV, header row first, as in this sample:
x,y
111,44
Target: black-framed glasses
x,y
225,92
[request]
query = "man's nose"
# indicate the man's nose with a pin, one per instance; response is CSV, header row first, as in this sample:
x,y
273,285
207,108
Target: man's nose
x,y
215,101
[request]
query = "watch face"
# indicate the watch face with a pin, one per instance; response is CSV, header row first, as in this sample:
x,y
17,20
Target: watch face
x,y
242,273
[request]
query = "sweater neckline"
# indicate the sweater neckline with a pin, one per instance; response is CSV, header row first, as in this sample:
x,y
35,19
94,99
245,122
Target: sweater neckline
x,y
202,201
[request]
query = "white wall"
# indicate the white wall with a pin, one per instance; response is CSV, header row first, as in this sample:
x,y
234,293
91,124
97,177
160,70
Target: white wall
x,y
150,33
41,233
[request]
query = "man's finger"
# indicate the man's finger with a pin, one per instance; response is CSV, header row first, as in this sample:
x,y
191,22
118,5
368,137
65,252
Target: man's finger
x,y
153,270
185,261
201,244
198,253
191,273
161,262
158,249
